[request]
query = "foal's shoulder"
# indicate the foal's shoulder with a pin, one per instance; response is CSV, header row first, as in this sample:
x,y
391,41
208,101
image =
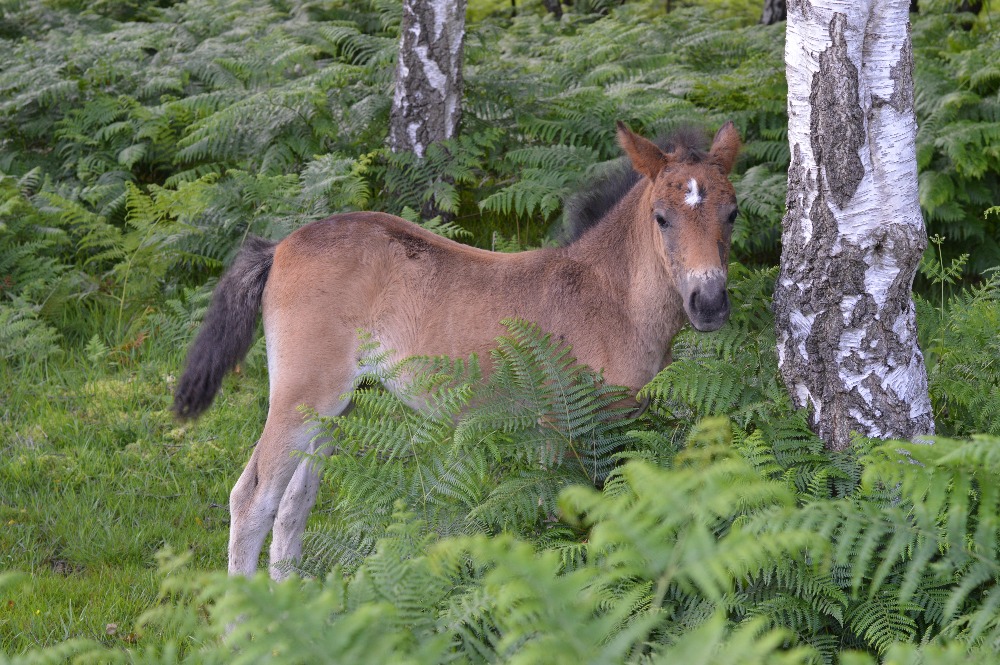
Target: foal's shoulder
x,y
568,277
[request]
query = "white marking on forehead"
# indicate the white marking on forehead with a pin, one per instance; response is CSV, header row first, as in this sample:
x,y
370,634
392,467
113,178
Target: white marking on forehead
x,y
693,197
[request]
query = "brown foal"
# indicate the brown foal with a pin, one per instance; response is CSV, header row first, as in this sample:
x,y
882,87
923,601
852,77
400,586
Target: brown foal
x,y
656,258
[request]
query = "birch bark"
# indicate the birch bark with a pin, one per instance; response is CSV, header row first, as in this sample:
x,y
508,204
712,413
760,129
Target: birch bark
x,y
774,11
853,234
426,105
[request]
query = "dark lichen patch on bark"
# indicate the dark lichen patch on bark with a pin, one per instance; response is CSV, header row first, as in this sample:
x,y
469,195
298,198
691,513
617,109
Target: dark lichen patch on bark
x,y
795,197
837,123
803,288
882,342
803,6
902,76
904,250
826,271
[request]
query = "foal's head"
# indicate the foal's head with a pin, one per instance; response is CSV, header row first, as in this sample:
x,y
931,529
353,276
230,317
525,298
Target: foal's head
x,y
692,205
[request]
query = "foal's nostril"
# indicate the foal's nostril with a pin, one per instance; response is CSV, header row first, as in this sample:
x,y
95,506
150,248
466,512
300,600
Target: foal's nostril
x,y
714,303
719,304
707,305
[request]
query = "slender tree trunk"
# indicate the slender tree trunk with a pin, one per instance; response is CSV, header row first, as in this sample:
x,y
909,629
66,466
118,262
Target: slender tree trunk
x,y
774,11
427,102
853,234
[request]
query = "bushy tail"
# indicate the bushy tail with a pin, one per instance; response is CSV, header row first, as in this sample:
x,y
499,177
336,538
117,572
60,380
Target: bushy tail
x,y
228,329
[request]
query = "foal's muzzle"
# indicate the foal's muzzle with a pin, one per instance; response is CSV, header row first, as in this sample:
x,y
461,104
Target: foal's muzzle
x,y
707,304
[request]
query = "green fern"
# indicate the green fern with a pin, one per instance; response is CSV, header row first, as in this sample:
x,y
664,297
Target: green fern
x,y
964,358
24,338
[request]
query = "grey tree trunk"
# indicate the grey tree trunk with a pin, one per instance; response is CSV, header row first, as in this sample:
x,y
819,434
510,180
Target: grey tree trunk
x,y
853,234
427,104
774,11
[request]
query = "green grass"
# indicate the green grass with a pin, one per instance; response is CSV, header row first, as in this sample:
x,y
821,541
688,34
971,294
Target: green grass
x,y
96,477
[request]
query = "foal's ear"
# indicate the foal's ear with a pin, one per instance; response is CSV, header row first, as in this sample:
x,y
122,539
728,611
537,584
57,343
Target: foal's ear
x,y
645,156
725,146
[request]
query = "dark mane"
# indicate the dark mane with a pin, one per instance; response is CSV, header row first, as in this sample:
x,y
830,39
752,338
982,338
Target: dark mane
x,y
587,207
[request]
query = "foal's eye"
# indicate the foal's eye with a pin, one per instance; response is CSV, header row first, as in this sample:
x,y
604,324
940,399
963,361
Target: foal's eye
x,y
661,219
732,216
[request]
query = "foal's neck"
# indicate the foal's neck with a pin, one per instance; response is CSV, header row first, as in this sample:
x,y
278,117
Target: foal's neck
x,y
617,244
625,248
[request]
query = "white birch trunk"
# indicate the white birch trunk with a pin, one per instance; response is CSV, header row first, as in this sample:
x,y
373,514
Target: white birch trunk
x,y
853,234
427,102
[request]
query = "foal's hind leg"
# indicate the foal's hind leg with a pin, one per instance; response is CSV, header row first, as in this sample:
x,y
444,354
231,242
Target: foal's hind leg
x,y
296,504
257,495
254,501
